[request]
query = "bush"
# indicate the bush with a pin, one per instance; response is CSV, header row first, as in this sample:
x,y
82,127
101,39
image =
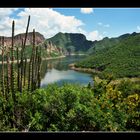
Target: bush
x,y
105,107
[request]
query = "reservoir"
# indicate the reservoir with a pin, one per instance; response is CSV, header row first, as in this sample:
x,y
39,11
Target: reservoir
x,y
57,71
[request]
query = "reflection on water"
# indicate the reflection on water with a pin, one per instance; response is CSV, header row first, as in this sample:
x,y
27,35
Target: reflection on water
x,y
57,71
56,76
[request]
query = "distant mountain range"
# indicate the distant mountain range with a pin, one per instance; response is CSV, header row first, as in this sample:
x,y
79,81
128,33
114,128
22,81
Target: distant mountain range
x,y
71,42
76,42
118,56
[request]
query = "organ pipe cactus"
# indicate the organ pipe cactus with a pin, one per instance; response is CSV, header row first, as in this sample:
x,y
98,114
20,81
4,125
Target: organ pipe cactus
x,y
12,64
33,60
2,74
18,70
22,52
34,66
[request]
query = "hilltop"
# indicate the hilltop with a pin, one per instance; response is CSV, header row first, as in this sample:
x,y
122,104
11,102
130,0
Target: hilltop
x,y
19,37
71,42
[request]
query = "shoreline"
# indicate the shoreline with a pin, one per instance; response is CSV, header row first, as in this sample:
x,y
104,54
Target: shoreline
x,y
49,58
87,70
77,54
15,61
93,71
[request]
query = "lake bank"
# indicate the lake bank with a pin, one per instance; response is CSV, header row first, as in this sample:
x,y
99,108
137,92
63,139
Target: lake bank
x,y
77,54
87,70
49,58
93,71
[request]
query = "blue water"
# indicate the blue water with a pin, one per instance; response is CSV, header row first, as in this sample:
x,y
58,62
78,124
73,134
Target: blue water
x,y
58,71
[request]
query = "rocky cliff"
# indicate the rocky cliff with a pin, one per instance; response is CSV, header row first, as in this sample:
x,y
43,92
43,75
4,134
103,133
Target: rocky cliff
x,y
18,39
71,42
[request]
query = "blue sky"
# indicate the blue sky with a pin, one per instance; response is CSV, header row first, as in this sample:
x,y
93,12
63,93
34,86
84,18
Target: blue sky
x,y
95,23
121,20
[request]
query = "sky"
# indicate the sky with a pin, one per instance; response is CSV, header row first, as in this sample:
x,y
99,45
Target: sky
x,y
94,23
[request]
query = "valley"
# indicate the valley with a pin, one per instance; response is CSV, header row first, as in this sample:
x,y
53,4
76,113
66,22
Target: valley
x,y
64,76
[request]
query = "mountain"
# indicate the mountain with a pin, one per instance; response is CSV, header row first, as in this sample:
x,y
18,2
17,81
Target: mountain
x,y
106,42
70,42
77,43
118,56
39,38
51,51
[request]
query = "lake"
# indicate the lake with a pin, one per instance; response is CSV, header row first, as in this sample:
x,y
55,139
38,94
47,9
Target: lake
x,y
58,71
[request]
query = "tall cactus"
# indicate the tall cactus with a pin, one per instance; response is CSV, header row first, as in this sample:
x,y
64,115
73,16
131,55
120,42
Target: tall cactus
x,y
33,60
2,75
34,71
12,64
18,69
22,53
8,71
12,74
25,65
29,72
39,69
36,67
21,66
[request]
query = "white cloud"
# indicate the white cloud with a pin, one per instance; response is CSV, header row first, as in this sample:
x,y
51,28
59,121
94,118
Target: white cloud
x,y
44,20
5,20
138,28
86,10
6,11
94,35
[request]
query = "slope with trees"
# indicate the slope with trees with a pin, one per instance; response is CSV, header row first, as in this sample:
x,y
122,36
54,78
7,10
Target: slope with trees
x,y
121,59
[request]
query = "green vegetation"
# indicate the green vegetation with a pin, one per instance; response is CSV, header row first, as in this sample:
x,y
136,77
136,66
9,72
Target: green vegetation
x,y
110,105
104,107
77,43
106,43
71,42
14,79
28,52
121,60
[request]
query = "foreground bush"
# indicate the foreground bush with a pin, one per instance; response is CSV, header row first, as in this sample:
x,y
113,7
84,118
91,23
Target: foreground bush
x,y
104,107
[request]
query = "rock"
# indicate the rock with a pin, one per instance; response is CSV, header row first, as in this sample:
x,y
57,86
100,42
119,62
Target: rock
x,y
39,38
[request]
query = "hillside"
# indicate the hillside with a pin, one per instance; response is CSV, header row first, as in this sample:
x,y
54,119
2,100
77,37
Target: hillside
x,y
77,42
18,39
71,42
122,58
106,43
50,51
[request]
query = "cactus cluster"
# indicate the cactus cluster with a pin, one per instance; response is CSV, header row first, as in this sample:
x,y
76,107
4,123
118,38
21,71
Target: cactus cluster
x,y
14,76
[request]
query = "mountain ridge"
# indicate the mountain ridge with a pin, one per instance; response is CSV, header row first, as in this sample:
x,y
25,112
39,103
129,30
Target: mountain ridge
x,y
69,42
72,42
19,37
120,59
77,42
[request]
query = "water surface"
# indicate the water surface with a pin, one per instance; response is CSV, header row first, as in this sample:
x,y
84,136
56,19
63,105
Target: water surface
x,y
58,71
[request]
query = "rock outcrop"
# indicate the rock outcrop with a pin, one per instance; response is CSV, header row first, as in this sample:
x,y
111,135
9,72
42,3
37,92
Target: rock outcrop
x,y
18,39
